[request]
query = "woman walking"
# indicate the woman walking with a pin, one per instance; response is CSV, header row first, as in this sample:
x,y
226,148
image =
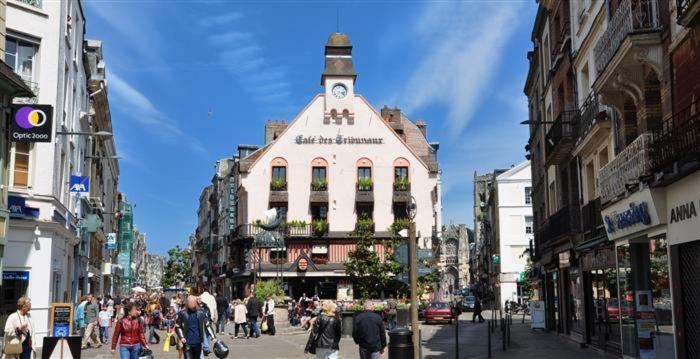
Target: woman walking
x,y
240,318
19,331
325,333
129,334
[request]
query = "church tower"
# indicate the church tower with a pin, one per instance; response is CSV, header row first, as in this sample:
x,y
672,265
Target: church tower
x,y
338,79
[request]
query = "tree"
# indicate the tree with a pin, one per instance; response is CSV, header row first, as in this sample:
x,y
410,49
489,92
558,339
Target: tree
x,y
177,268
271,287
367,272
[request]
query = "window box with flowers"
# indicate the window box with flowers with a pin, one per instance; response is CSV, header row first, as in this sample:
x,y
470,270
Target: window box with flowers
x,y
278,184
365,184
319,226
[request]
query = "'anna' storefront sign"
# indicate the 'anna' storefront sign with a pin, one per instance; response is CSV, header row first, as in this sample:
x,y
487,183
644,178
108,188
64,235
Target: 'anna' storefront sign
x,y
338,140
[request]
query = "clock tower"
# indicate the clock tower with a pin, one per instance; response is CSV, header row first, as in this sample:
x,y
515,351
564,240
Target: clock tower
x,y
338,79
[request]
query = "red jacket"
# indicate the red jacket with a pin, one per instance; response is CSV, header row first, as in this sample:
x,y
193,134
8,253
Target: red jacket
x,y
130,331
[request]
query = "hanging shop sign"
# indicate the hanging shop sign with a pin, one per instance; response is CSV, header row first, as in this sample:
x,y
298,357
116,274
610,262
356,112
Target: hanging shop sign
x,y
683,200
565,259
338,140
303,264
79,184
15,275
31,123
111,241
638,212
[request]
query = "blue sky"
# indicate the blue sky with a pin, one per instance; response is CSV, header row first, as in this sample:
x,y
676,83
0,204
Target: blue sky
x,y
460,66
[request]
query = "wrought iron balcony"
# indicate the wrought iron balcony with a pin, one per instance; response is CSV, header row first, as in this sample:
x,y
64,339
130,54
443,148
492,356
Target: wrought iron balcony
x,y
677,142
565,222
402,192
592,221
364,193
35,3
319,193
560,137
631,16
688,11
248,230
296,230
592,114
626,168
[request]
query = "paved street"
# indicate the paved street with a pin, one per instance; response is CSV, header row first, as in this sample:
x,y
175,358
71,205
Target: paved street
x,y
438,342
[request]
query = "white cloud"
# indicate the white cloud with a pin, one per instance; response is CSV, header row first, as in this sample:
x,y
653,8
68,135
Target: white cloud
x,y
146,113
221,19
464,43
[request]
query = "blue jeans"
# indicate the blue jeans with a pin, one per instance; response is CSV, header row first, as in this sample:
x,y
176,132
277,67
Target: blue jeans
x,y
254,330
104,334
129,351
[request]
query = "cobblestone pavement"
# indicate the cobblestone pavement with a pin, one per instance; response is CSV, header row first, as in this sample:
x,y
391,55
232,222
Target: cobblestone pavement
x,y
438,341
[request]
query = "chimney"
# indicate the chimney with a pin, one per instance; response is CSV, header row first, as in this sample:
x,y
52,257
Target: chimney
x,y
391,115
422,127
273,129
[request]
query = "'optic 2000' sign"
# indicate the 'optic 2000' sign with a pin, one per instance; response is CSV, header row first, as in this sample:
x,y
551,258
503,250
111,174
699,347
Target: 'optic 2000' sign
x,y
31,123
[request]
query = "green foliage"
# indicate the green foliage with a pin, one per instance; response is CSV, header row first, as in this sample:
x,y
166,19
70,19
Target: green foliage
x,y
296,224
365,183
177,268
263,288
402,305
278,184
378,308
357,308
320,226
367,272
527,285
398,225
402,183
319,183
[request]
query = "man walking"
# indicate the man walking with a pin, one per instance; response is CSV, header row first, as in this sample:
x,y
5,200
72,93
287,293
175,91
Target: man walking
x,y
192,326
92,311
368,332
391,312
477,311
269,314
253,307
221,305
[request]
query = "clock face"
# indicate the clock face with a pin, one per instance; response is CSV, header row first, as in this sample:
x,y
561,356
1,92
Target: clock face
x,y
339,91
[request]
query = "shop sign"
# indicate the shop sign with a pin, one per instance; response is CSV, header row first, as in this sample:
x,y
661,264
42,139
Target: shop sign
x,y
636,213
683,198
79,184
111,241
31,123
601,258
15,275
564,259
18,208
338,140
303,264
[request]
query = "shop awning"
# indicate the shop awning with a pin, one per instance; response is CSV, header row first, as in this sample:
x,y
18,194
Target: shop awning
x,y
592,243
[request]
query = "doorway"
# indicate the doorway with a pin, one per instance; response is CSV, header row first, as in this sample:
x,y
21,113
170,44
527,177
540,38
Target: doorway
x,y
604,316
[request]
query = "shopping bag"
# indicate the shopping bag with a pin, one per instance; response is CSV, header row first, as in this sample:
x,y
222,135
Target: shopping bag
x,y
263,327
166,342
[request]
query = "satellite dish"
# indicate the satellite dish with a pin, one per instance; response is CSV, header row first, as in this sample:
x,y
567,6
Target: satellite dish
x,y
412,208
272,220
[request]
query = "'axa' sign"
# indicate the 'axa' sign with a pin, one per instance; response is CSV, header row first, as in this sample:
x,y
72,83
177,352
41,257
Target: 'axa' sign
x,y
79,184
31,123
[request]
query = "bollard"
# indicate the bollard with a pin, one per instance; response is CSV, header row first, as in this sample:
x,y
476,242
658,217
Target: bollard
x,y
489,335
400,344
503,332
508,333
523,317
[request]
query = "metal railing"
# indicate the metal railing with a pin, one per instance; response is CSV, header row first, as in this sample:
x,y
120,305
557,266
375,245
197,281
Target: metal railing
x,y
631,16
591,113
248,230
627,167
677,140
564,128
35,3
565,221
404,187
364,188
319,187
683,6
592,221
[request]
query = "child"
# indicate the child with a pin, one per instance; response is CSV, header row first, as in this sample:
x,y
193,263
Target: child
x,y
105,318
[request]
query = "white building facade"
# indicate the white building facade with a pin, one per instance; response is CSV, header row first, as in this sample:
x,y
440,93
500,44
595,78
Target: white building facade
x,y
515,228
339,161
45,47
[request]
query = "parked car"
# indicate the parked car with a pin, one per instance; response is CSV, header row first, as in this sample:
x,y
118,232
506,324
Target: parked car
x,y
467,304
614,311
439,312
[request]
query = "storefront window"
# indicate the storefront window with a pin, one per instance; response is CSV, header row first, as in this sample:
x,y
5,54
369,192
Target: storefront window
x,y
661,294
624,311
576,300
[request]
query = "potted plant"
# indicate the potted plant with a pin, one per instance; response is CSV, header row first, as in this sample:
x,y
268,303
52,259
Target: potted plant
x,y
320,226
365,184
319,184
365,223
278,184
402,184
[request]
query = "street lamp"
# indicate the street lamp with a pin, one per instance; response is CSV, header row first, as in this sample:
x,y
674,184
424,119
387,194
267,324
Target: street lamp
x,y
103,157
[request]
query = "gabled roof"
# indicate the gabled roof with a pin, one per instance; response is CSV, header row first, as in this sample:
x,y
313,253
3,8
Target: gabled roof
x,y
513,170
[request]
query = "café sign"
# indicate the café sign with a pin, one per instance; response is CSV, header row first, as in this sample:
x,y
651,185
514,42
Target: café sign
x,y
338,140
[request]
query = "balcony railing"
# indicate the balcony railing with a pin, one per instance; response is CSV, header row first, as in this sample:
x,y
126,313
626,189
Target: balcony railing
x,y
592,221
319,187
630,17
298,230
364,187
683,7
35,3
677,141
278,186
591,114
403,187
248,230
566,221
560,137
629,165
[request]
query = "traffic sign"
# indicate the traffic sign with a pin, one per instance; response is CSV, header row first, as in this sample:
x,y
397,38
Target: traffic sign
x,y
423,254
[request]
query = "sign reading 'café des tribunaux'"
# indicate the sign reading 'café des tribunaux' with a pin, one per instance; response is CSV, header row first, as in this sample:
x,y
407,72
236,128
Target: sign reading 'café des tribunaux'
x,y
338,140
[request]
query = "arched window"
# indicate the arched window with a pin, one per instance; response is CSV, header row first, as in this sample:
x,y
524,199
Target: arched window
x,y
278,180
401,179
364,174
319,174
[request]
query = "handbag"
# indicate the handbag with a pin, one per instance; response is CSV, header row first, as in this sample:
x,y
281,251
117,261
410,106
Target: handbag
x,y
14,345
263,326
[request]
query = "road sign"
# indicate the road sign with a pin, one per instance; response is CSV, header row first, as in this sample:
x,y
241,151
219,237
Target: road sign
x,y
423,270
423,254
